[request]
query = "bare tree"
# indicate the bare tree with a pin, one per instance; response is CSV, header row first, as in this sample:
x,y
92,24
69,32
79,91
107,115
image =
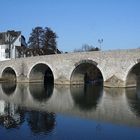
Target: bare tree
x,y
87,48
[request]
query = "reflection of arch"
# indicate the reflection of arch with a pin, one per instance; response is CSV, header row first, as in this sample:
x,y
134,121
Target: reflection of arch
x,y
133,98
133,76
41,121
86,71
41,92
9,75
86,97
41,73
9,88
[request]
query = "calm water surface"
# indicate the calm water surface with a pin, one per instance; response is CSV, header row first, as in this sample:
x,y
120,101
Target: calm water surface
x,y
38,112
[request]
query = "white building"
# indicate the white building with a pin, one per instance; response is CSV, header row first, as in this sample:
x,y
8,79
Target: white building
x,y
9,41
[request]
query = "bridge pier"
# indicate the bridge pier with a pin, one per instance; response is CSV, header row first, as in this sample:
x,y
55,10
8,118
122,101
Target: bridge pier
x,y
22,79
115,85
114,82
61,81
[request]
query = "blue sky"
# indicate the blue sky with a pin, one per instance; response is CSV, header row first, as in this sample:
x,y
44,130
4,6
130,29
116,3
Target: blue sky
x,y
77,22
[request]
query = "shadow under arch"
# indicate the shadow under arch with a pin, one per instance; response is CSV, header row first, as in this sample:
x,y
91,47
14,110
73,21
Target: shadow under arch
x,y
86,97
41,92
41,73
133,76
133,99
86,71
9,88
9,75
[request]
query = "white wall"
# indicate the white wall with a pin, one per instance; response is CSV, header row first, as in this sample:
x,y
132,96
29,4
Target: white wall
x,y
2,52
2,107
13,48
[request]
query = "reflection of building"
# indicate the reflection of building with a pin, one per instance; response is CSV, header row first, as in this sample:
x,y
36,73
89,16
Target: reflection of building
x,y
10,116
10,42
2,105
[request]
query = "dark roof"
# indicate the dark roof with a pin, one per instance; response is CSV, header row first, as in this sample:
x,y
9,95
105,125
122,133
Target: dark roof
x,y
4,36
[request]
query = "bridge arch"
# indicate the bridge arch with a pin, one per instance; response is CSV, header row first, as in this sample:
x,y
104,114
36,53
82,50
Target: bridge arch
x,y
133,75
86,71
41,72
9,75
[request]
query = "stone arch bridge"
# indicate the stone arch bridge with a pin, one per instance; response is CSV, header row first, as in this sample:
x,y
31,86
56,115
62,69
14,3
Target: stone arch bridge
x,y
117,68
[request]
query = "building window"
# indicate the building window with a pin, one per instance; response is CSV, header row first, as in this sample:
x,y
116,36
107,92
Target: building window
x,y
7,50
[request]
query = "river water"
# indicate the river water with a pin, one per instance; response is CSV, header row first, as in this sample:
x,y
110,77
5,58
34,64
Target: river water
x,y
39,112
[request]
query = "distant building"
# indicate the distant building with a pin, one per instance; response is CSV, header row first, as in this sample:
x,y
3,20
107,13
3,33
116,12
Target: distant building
x,y
10,42
13,45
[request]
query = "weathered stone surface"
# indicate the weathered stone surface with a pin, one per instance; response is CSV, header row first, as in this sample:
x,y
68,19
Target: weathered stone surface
x,y
116,63
113,81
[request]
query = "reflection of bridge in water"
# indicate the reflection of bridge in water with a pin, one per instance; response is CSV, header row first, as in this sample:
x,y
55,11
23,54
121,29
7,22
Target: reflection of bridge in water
x,y
112,105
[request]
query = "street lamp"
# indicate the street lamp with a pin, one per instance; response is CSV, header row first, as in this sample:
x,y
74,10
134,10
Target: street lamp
x,y
100,41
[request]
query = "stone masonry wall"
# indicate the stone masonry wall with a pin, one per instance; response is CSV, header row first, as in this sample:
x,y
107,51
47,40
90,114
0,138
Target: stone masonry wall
x,y
114,65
